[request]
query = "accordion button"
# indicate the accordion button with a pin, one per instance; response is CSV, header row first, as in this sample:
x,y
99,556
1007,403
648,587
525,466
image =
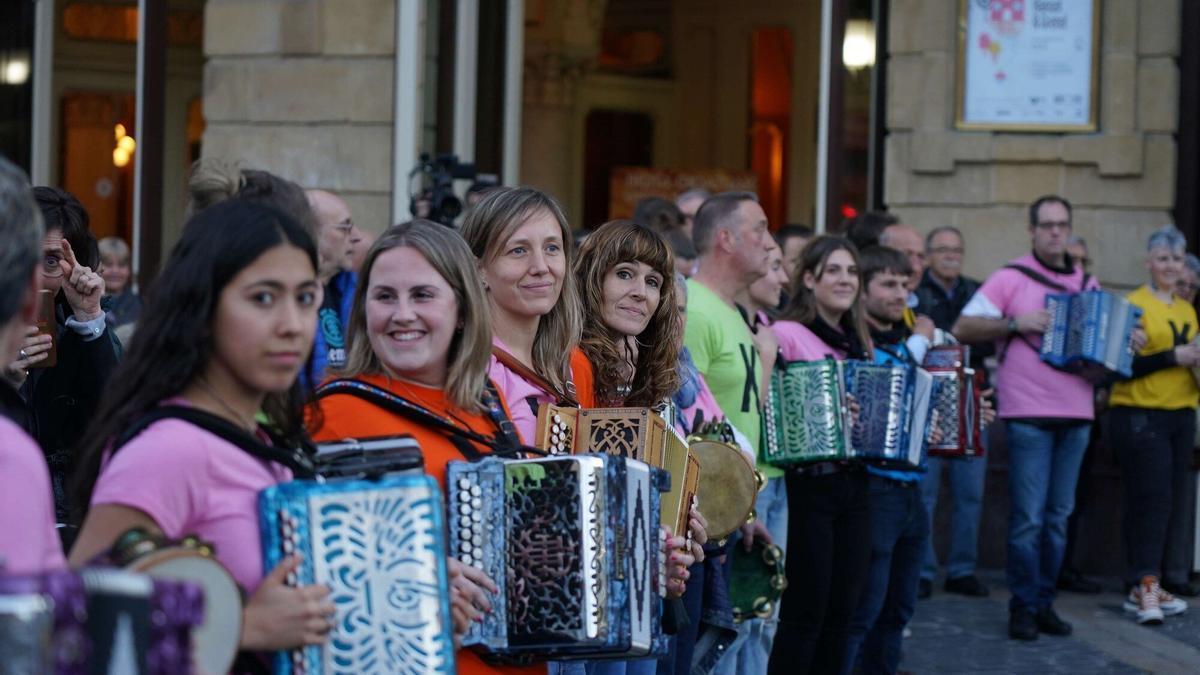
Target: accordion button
x,y
464,509
476,491
477,540
288,546
464,521
477,503
464,546
557,418
476,517
467,559
464,495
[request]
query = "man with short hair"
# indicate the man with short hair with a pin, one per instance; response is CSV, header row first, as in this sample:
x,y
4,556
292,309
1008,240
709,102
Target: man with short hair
x,y
792,239
942,293
689,203
335,226
29,543
733,244
1047,412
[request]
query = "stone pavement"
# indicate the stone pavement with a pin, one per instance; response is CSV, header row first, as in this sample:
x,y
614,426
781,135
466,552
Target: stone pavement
x,y
953,634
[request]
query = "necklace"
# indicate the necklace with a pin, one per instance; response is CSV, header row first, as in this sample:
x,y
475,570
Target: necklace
x,y
251,426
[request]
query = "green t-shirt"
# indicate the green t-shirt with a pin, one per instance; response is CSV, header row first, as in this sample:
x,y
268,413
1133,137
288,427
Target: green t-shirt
x,y
723,350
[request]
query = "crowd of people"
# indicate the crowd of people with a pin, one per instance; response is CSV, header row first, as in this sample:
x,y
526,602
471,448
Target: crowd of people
x,y
112,401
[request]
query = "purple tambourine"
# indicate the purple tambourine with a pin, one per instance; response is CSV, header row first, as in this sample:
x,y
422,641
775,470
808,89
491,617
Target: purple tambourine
x,y
176,609
69,645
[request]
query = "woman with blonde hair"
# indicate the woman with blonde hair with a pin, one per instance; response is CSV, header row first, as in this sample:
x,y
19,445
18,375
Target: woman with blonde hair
x,y
419,339
523,246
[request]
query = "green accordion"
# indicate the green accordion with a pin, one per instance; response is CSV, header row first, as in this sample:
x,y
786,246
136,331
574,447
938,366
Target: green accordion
x,y
806,418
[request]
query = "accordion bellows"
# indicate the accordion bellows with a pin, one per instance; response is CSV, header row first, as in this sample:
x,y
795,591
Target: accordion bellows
x,y
380,546
1089,331
573,544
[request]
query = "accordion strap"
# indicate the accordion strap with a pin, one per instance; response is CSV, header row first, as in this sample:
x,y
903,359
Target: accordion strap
x,y
504,443
512,363
1048,283
296,460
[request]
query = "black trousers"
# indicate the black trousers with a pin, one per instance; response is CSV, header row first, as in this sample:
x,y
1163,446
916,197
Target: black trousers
x,y
829,544
1154,450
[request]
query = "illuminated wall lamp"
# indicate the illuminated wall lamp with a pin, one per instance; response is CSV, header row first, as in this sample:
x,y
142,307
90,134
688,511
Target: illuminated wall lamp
x,y
858,47
125,147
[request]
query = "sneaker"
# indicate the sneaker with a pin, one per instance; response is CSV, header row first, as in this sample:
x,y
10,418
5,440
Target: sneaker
x,y
1022,625
1143,602
1171,605
968,585
924,589
1050,623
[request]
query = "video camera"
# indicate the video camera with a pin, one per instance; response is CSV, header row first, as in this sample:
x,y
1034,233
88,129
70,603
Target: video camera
x,y
433,197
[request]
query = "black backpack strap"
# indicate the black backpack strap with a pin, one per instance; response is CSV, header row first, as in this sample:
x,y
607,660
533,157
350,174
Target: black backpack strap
x,y
297,460
1042,278
398,405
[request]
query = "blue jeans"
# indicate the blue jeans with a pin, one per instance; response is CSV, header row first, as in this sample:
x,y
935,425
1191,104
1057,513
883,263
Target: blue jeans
x,y
899,536
749,653
967,476
1043,469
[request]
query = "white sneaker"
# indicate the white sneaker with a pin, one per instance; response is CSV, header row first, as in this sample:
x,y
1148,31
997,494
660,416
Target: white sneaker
x,y
1143,601
1171,605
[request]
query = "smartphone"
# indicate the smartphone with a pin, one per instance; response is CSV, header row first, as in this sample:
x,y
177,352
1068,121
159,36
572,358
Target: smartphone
x,y
47,326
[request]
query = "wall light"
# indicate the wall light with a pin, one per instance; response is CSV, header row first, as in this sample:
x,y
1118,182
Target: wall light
x,y
858,47
16,71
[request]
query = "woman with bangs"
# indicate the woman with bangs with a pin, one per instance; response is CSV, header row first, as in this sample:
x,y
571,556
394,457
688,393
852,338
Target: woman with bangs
x,y
522,243
632,336
828,520
420,331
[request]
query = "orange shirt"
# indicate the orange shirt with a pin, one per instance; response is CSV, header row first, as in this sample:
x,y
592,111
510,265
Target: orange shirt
x,y
347,416
584,378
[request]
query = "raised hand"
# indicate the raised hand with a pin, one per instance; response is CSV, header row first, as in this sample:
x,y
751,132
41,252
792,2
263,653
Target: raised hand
x,y
82,286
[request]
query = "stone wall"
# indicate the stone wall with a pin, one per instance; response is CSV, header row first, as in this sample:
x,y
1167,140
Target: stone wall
x,y
1121,179
304,88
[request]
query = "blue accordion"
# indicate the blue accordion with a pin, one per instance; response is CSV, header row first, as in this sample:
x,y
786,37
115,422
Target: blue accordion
x,y
1089,333
380,546
573,543
893,413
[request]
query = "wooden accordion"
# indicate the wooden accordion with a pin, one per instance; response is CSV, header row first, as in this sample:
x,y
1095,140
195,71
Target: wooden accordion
x,y
380,546
574,546
957,399
634,433
1089,333
806,419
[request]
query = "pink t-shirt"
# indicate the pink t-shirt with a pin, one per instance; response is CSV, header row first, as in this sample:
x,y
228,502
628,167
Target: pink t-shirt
x,y
29,544
798,343
517,390
193,482
705,403
1025,385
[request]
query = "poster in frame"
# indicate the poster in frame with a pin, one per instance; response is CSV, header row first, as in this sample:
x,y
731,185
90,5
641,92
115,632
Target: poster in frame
x,y
1028,66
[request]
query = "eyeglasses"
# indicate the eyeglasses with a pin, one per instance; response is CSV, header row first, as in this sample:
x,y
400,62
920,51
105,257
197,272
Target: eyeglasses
x,y
52,266
947,250
1052,224
1084,262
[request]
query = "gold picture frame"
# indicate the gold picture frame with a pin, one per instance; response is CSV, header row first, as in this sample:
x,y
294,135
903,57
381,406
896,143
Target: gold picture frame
x,y
961,88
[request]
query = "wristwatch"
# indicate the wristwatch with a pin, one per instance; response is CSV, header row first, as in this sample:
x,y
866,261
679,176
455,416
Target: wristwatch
x,y
1012,325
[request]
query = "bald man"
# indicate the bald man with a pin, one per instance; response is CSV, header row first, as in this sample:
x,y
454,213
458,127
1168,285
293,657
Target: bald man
x,y
333,262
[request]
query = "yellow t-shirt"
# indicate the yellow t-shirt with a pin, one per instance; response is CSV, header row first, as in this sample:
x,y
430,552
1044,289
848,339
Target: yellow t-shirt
x,y
1166,327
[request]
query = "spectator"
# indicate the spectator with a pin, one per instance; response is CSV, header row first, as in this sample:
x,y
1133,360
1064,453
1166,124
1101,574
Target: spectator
x,y
658,214
360,242
1077,248
62,398
124,304
1153,426
338,281
213,181
28,542
684,250
1048,413
1187,285
792,239
689,203
865,229
904,238
941,295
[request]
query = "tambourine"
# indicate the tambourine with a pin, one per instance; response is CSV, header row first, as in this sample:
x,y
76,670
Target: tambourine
x,y
215,640
728,486
757,580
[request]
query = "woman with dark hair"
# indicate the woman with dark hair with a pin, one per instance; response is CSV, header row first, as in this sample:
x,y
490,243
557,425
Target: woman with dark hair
x,y
828,518
63,397
632,336
420,331
225,331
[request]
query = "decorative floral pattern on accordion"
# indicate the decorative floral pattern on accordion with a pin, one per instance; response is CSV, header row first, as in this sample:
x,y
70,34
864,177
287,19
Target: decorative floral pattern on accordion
x,y
807,413
882,393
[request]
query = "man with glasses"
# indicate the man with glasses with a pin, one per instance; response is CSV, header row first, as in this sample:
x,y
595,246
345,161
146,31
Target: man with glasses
x,y
334,250
942,293
1047,412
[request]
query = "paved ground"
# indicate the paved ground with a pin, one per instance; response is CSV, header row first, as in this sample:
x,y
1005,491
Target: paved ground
x,y
952,634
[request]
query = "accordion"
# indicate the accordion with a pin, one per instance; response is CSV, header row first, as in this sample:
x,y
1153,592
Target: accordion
x,y
99,621
574,546
893,413
380,547
806,418
958,401
1089,333
634,433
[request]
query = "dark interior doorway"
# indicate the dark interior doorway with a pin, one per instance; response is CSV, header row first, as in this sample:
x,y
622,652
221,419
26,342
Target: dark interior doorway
x,y
613,138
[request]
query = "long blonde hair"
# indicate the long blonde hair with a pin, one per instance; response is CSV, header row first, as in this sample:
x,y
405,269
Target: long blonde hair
x,y
470,348
656,373
487,226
